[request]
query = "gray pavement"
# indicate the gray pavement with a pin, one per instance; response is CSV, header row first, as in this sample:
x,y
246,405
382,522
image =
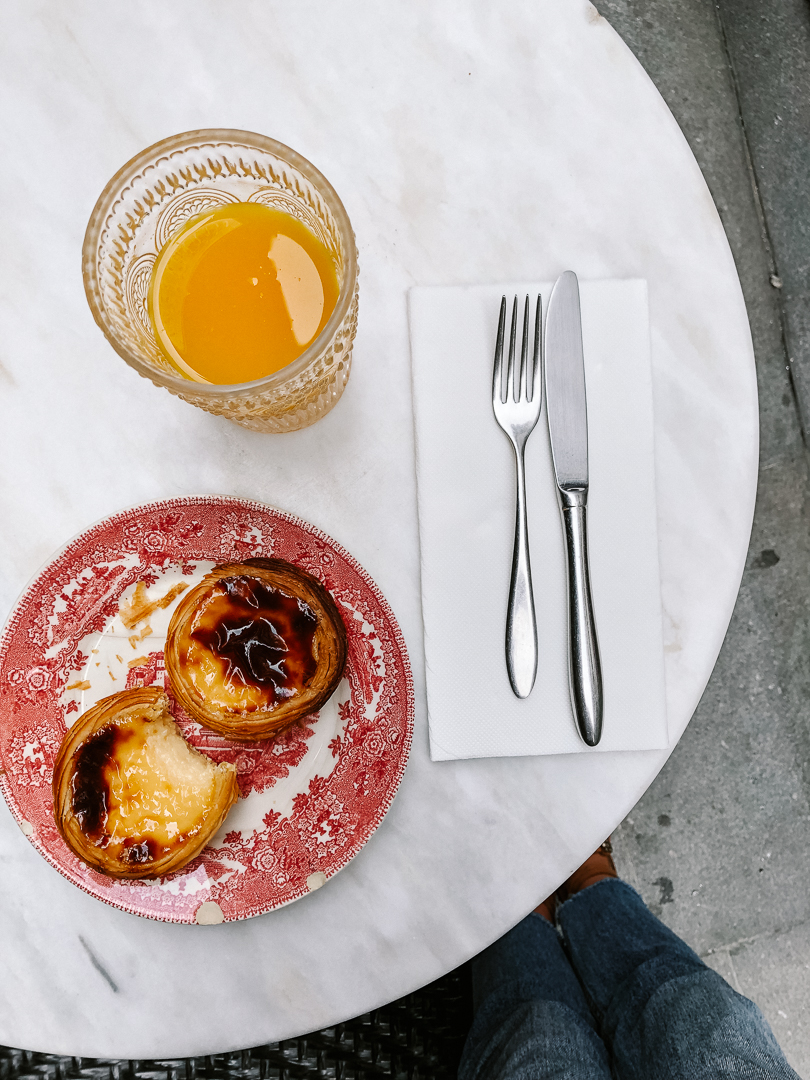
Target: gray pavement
x,y
719,846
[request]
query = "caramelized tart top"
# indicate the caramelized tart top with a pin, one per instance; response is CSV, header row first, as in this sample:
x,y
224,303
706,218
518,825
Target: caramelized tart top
x,y
249,645
131,796
255,646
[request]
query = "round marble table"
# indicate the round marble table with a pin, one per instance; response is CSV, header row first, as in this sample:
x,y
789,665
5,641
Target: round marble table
x,y
470,142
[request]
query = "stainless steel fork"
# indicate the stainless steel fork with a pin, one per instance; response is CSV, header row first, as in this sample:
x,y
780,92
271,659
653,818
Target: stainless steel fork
x,y
516,400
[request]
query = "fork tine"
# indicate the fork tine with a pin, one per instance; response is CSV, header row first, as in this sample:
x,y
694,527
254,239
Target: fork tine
x,y
524,355
497,371
511,375
538,322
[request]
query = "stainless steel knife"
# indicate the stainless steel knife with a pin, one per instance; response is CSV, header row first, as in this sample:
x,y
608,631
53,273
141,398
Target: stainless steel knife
x,y
567,412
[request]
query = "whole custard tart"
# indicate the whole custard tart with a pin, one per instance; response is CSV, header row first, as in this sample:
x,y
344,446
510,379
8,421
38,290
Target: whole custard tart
x,y
131,797
254,647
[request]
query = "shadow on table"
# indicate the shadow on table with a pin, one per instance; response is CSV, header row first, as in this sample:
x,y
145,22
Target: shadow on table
x,y
419,1037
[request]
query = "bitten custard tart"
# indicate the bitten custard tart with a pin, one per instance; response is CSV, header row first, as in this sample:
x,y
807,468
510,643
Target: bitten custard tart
x,y
255,646
131,797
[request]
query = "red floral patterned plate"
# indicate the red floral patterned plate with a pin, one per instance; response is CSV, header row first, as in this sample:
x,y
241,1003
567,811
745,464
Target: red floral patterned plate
x,y
309,799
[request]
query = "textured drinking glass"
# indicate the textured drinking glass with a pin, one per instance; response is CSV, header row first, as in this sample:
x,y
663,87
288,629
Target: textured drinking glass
x,y
153,196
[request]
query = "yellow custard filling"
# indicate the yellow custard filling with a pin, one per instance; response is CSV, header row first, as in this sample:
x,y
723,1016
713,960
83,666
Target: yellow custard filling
x,y
139,787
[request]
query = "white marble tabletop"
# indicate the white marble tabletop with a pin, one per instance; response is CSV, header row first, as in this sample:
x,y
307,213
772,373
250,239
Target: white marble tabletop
x,y
470,143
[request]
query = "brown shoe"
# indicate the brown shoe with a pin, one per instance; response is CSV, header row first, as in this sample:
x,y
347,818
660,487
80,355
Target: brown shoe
x,y
597,867
548,908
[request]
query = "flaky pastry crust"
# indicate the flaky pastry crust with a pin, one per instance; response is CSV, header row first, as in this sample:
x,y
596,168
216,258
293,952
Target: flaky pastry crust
x,y
133,709
265,717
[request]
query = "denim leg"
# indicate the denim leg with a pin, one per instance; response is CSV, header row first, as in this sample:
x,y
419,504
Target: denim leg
x,y
531,1018
661,1010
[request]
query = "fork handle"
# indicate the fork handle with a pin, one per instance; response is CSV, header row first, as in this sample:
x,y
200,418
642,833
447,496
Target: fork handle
x,y
521,626
584,666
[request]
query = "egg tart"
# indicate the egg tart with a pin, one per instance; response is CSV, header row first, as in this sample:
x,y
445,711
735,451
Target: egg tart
x,y
131,797
254,647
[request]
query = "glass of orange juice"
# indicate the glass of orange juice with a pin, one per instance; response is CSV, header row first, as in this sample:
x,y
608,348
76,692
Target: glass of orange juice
x,y
222,265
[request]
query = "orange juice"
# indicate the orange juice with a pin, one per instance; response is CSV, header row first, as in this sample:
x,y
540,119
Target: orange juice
x,y
239,292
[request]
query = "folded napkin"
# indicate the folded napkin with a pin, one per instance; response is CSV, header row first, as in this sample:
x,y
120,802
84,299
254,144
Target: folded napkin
x,y
465,477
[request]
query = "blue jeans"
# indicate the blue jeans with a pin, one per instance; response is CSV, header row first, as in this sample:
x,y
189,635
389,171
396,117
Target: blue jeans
x,y
619,995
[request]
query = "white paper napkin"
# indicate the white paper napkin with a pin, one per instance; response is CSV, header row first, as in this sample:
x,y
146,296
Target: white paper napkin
x,y
465,478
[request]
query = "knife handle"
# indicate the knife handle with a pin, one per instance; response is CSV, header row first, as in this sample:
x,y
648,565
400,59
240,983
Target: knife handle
x,y
521,626
584,667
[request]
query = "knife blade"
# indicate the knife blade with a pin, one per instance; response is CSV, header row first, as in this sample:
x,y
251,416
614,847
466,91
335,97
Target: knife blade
x,y
567,413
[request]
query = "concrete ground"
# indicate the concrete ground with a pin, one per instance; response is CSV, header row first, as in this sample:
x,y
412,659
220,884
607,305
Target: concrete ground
x,y
719,846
